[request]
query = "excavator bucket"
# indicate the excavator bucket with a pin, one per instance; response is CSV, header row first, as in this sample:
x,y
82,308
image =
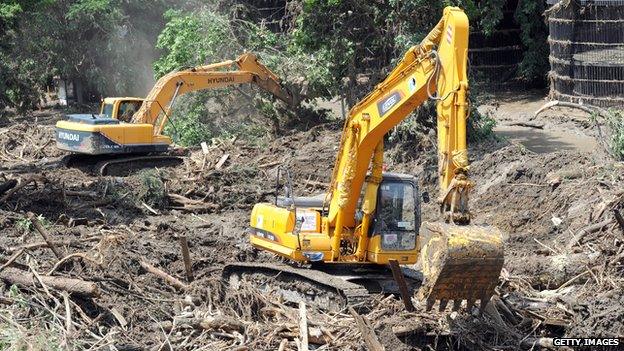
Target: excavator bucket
x,y
459,262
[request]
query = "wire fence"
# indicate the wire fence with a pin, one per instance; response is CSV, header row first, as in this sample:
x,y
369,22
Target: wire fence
x,y
587,52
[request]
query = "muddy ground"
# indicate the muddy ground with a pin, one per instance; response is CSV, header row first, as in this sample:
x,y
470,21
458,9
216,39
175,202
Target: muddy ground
x,y
545,181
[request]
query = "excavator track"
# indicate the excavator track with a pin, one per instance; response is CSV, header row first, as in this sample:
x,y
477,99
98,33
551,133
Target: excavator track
x,y
333,288
128,165
116,165
460,263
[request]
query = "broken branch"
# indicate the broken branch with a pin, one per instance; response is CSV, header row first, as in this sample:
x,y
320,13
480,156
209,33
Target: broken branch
x,y
44,233
164,276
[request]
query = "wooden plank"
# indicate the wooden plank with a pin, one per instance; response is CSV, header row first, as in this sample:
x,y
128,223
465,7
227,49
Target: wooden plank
x,y
222,161
400,280
368,334
303,326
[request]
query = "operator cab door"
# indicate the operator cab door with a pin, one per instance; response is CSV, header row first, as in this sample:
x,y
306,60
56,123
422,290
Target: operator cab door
x,y
397,219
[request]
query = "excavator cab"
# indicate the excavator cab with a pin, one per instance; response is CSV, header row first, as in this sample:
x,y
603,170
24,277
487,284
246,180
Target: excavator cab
x,y
120,108
397,216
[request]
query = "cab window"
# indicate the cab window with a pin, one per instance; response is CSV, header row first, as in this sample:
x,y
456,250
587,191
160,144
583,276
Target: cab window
x,y
107,110
396,215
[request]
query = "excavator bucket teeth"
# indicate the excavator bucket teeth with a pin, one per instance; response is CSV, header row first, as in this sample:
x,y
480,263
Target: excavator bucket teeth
x,y
459,263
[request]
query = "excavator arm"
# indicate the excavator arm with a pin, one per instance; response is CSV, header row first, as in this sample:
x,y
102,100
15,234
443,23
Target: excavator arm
x,y
435,69
459,261
157,106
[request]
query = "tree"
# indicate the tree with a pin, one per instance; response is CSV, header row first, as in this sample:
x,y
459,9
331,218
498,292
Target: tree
x,y
104,46
17,89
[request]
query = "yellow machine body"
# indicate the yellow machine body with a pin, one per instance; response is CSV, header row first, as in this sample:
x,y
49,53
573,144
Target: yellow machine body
x,y
365,216
275,229
107,133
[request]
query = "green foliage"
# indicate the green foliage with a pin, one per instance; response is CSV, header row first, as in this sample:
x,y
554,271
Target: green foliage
x,y
417,125
486,13
534,34
616,134
25,225
480,126
321,48
90,9
188,125
210,36
17,90
152,189
103,46
191,39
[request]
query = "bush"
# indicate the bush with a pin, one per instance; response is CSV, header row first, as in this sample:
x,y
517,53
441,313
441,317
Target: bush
x,y
480,127
616,131
152,191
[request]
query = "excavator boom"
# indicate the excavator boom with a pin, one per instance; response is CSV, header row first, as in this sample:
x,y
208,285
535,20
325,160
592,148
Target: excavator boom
x,y
158,103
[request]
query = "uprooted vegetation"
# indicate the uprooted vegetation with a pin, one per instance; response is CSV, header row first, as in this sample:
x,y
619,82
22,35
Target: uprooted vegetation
x,y
117,276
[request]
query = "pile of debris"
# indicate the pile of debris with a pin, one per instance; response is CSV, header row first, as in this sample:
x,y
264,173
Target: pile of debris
x,y
135,263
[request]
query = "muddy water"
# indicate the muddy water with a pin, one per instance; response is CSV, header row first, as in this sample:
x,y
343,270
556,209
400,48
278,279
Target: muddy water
x,y
555,129
545,140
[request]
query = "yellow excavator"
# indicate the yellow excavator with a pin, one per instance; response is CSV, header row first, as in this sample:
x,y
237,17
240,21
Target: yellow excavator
x,y
341,242
129,131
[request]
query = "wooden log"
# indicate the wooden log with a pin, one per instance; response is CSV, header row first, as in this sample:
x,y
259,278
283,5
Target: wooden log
x,y
400,280
303,326
164,276
186,256
27,280
44,233
368,334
